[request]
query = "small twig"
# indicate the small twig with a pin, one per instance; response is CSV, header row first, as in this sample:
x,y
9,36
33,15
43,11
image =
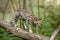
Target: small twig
x,y
55,33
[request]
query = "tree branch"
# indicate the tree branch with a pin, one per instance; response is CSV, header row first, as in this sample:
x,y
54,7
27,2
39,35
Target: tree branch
x,y
55,33
21,33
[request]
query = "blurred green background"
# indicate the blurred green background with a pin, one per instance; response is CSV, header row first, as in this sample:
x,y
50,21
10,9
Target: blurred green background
x,y
48,10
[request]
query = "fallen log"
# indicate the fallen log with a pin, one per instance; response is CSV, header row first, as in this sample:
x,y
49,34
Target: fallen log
x,y
21,33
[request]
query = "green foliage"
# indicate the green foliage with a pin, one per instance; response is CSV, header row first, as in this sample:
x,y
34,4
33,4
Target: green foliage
x,y
5,36
48,26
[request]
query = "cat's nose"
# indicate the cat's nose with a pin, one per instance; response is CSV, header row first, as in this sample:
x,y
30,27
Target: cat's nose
x,y
37,23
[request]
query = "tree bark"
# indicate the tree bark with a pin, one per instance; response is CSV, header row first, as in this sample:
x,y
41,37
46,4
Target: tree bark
x,y
21,33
